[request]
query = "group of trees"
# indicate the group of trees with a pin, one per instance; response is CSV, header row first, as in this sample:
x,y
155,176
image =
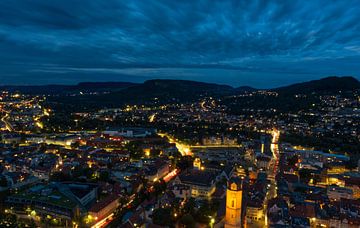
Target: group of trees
x,y
291,161
163,217
283,103
188,215
78,172
10,220
3,181
338,143
305,175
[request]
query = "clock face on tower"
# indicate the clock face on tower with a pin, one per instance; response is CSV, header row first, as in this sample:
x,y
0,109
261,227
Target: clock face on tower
x,y
233,187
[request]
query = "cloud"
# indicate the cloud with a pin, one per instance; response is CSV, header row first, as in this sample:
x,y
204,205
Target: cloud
x,y
261,38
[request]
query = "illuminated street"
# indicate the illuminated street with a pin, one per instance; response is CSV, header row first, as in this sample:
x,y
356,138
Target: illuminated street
x,y
273,169
183,149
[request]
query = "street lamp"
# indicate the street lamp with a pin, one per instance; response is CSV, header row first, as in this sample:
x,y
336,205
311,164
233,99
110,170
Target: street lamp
x,y
212,221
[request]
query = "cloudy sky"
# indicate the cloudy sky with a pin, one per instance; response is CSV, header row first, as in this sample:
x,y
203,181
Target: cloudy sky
x,y
259,43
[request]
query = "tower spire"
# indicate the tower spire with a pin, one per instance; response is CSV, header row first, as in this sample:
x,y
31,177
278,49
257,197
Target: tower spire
x,y
234,203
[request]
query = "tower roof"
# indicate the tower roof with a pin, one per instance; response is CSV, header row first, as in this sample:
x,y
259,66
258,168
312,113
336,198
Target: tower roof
x,y
235,183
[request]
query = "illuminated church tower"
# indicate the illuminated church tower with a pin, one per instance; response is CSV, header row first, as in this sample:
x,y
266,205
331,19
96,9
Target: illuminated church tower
x,y
233,203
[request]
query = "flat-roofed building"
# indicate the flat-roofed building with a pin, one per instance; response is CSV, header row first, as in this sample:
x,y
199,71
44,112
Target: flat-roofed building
x,y
336,193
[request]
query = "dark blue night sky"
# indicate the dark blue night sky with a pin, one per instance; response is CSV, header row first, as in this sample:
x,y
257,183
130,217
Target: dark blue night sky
x,y
258,43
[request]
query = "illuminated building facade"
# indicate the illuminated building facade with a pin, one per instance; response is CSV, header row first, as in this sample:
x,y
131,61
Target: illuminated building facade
x,y
234,203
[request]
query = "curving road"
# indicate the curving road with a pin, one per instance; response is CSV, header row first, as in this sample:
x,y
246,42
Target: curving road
x,y
8,125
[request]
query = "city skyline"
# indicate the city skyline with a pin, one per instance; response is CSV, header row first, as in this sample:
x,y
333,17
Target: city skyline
x,y
179,114
264,44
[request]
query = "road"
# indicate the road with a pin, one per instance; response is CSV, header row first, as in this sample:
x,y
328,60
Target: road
x,y
183,148
8,125
152,118
104,222
171,175
272,171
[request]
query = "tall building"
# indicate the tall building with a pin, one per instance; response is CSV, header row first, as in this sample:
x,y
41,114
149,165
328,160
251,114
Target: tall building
x,y
233,203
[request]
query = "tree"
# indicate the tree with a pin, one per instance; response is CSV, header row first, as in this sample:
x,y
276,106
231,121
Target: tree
x,y
3,181
188,221
42,148
134,149
155,152
104,176
292,160
75,145
59,176
77,172
305,175
189,207
185,162
162,217
10,220
204,213
159,186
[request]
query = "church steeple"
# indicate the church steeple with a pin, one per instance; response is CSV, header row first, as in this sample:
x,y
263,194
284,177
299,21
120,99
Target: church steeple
x,y
234,203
